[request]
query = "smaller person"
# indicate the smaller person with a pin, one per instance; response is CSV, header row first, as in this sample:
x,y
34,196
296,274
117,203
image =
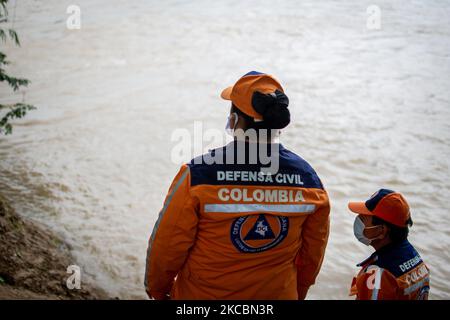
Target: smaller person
x,y
395,271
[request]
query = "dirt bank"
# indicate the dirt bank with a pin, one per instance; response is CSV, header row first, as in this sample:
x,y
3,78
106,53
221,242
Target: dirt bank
x,y
33,261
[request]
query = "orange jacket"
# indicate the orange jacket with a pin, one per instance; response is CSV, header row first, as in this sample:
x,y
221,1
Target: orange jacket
x,y
228,232
395,272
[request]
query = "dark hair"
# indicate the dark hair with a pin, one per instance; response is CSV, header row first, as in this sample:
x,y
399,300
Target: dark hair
x,y
273,108
396,234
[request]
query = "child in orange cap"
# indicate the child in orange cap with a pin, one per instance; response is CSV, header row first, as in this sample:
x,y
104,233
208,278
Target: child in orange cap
x,y
395,271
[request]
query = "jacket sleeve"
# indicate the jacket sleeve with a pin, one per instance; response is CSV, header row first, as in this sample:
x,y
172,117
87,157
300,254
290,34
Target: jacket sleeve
x,y
376,284
172,237
315,231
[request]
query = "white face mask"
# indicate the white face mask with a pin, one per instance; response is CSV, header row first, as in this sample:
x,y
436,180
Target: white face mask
x,y
358,230
228,128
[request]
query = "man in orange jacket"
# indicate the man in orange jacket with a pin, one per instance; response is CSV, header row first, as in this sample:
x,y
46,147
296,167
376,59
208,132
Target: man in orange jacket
x,y
231,230
395,271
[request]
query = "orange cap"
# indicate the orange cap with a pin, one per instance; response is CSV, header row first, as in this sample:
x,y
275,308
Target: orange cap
x,y
385,204
242,91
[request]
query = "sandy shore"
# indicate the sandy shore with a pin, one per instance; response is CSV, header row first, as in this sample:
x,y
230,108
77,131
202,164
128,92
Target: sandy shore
x,y
33,261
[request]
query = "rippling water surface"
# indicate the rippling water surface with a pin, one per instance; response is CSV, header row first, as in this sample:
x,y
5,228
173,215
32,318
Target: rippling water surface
x,y
370,109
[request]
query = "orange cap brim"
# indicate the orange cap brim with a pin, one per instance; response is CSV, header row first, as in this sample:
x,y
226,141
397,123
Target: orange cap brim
x,y
226,93
359,208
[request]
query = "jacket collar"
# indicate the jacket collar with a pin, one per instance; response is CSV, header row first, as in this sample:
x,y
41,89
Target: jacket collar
x,y
381,252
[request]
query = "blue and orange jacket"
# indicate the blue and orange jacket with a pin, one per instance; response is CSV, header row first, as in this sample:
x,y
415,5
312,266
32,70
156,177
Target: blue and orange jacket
x,y
395,272
226,231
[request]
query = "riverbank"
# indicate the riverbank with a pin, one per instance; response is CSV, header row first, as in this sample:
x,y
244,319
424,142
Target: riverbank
x,y
33,261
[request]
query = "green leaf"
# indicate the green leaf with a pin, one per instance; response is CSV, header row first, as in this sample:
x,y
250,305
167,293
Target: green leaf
x,y
3,8
2,35
13,35
18,110
15,83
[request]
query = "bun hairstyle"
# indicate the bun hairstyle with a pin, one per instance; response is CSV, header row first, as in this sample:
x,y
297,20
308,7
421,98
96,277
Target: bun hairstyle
x,y
273,107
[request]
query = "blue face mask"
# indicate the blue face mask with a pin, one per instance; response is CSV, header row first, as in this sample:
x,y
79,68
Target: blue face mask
x,y
228,128
358,231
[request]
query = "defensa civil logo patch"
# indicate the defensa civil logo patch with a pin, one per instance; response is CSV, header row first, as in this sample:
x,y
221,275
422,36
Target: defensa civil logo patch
x,y
257,233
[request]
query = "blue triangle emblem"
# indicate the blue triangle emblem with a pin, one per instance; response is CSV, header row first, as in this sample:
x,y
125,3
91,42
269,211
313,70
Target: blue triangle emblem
x,y
261,230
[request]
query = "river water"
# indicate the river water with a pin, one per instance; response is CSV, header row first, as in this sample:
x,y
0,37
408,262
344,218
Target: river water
x,y
370,109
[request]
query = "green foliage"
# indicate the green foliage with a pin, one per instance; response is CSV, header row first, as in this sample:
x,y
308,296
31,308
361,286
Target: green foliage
x,y
9,112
